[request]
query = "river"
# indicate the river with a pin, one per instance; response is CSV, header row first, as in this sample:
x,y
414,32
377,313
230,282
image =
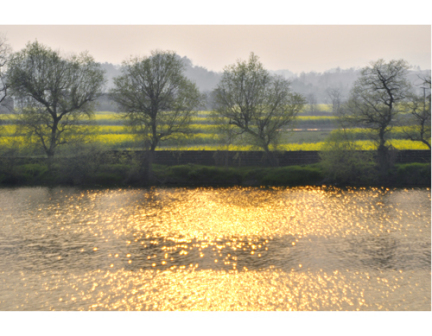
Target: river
x,y
262,249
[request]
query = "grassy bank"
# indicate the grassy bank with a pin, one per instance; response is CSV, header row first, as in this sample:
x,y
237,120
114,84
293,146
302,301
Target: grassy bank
x,y
123,175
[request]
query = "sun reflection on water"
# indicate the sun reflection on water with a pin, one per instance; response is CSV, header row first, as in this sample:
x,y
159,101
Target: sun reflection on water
x,y
215,249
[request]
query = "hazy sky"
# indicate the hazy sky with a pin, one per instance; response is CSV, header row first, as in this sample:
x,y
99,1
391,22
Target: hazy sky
x,y
293,47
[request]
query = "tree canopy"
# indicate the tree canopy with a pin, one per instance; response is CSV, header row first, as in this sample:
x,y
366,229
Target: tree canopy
x,y
53,92
374,100
156,97
256,103
4,57
419,107
375,95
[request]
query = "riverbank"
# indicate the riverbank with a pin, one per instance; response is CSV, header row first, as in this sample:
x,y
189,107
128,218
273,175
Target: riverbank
x,y
126,175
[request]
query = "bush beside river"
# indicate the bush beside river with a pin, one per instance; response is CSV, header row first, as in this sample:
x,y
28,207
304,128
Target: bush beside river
x,y
129,175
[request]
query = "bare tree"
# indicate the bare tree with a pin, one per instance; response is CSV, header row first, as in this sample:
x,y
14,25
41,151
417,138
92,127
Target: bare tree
x,y
312,102
256,103
335,95
374,98
157,99
8,149
420,108
5,51
54,92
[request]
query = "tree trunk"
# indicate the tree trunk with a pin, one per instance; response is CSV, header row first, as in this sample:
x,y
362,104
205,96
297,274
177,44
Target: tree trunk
x,y
147,163
50,154
52,144
270,156
148,172
383,160
426,143
382,155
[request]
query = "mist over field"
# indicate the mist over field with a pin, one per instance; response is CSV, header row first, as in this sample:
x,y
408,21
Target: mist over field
x,y
312,85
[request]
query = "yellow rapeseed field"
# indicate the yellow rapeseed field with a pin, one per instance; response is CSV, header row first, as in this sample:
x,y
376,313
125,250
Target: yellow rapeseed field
x,y
205,135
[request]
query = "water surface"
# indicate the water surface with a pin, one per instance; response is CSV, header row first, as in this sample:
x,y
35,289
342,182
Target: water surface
x,y
215,249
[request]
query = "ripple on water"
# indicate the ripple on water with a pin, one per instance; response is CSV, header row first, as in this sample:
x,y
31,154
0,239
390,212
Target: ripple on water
x,y
215,249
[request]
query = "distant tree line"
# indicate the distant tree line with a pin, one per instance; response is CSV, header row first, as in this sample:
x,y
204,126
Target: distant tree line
x,y
314,86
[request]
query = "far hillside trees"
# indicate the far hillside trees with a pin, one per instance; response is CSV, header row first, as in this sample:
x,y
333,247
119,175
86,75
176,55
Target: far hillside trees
x,y
312,103
335,96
